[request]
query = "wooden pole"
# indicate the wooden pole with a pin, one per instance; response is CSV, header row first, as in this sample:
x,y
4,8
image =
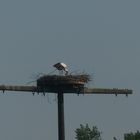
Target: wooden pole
x,y
61,121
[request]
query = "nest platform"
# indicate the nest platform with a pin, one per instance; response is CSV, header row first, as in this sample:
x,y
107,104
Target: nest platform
x,y
61,83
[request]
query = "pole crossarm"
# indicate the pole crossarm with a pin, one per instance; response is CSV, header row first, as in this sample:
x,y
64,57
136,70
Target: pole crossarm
x,y
18,88
107,91
33,89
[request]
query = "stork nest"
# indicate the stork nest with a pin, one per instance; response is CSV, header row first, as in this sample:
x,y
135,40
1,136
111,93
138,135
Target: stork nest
x,y
60,79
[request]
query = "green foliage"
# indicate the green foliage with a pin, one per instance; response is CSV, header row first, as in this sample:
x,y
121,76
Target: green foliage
x,y
86,133
132,136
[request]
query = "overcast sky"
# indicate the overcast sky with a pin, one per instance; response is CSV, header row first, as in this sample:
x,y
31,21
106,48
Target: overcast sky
x,y
97,37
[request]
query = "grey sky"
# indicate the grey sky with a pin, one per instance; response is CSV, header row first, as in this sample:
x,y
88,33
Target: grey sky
x,y
98,37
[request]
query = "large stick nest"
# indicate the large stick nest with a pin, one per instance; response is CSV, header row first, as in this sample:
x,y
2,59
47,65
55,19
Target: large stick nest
x,y
51,79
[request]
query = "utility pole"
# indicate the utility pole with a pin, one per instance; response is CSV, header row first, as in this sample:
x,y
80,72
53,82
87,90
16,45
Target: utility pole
x,y
63,84
61,119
